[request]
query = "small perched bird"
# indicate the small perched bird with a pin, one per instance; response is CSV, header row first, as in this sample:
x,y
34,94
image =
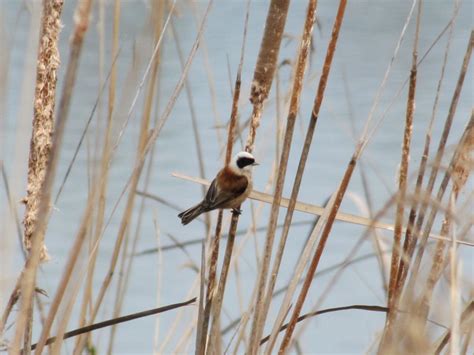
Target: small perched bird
x,y
231,186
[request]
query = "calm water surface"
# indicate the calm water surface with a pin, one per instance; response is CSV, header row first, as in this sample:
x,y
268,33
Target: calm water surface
x,y
367,41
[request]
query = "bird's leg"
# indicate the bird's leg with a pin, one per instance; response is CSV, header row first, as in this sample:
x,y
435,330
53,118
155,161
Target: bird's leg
x,y
237,211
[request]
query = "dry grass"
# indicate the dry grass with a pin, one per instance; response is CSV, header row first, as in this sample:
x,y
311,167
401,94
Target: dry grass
x,y
244,300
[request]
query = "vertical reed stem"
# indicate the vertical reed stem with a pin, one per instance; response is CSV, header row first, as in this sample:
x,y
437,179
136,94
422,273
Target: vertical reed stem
x,y
304,155
437,162
402,183
215,300
41,138
104,171
261,84
28,283
263,298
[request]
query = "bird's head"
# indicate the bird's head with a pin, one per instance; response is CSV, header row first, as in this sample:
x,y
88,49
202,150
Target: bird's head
x,y
242,162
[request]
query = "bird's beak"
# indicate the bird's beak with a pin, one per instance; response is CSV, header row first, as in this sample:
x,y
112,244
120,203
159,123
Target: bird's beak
x,y
255,163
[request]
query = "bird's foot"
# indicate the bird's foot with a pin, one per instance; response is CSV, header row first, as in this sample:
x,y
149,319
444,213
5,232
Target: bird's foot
x,y
237,211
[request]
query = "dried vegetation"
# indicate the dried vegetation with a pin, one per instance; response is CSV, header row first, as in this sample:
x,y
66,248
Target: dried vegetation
x,y
421,261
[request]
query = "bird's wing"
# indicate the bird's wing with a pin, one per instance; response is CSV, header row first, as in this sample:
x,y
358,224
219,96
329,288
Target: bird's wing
x,y
211,194
218,196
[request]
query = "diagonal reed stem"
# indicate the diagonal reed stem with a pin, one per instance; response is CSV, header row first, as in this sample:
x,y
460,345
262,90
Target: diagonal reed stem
x,y
263,298
118,320
304,155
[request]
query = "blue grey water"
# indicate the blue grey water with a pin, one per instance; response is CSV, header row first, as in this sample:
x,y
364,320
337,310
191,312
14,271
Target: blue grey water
x,y
367,41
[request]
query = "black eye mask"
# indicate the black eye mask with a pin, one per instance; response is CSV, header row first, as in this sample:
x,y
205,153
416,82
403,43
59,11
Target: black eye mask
x,y
244,161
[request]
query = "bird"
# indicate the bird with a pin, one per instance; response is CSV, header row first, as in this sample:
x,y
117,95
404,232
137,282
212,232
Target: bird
x,y
231,186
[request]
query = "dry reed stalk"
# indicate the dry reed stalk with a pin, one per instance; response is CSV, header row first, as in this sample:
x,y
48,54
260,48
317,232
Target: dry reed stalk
x,y
321,272
420,316
202,283
266,64
412,324
41,137
29,276
14,212
64,315
250,231
43,119
437,162
97,137
68,270
183,343
261,84
154,133
467,320
393,292
120,285
196,241
263,296
80,237
215,296
157,19
319,211
64,180
383,263
14,296
247,310
278,120
455,295
371,308
85,131
468,338
77,40
263,77
299,268
194,121
461,169
436,270
376,241
173,327
314,116
126,217
333,281
409,237
12,300
159,278
140,88
343,265
25,108
118,320
211,288
334,206
104,169
214,345
369,133
192,242
210,79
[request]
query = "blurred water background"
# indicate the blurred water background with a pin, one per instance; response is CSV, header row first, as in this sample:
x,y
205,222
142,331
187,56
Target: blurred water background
x,y
367,41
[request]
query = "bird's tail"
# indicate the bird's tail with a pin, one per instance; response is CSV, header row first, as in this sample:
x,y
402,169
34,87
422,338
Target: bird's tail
x,y
191,213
